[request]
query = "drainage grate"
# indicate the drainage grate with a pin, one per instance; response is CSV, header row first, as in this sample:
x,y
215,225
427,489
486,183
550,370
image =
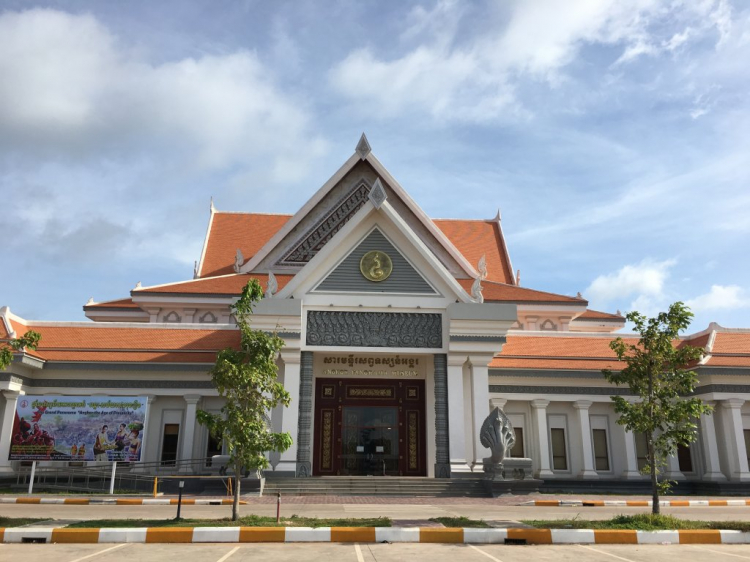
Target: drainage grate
x,y
35,540
516,541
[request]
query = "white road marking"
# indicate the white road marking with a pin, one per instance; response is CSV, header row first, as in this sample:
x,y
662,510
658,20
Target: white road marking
x,y
358,551
487,554
98,553
228,554
607,553
721,552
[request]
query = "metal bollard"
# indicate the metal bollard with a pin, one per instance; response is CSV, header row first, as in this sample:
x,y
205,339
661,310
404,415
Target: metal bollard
x,y
179,499
278,507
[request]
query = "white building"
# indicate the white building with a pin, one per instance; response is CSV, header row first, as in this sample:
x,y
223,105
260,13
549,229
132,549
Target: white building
x,y
397,343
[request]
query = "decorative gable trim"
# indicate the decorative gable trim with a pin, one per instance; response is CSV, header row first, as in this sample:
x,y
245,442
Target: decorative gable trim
x,y
317,236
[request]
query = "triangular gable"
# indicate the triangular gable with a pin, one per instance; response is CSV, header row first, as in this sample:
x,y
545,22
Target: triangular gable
x,y
348,277
402,238
305,231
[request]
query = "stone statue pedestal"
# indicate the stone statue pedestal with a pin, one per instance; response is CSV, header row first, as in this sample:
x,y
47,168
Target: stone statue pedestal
x,y
512,476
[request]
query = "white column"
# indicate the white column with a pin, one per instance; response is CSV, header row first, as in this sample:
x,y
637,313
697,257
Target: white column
x,y
456,415
188,432
290,414
587,448
710,447
735,439
631,471
6,429
539,414
480,394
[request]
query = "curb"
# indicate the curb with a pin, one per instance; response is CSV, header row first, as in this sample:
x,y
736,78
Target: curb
x,y
117,501
367,535
636,503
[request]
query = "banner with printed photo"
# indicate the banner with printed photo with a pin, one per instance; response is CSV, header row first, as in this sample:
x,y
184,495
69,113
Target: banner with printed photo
x,y
78,428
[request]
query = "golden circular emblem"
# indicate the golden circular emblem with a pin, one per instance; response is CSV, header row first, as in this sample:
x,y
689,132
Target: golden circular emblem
x,y
376,266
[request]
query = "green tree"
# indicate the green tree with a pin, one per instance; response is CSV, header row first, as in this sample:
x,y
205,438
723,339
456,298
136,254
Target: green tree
x,y
246,378
29,340
656,372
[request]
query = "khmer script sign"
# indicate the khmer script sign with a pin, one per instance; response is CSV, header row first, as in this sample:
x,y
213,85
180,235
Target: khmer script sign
x,y
78,428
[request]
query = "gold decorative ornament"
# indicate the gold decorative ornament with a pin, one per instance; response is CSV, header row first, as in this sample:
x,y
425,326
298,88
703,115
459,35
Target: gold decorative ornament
x,y
376,266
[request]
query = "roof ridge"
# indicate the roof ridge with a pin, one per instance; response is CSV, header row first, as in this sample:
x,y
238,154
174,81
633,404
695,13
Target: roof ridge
x,y
252,213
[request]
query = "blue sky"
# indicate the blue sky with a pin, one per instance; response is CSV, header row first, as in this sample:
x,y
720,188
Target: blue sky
x,y
613,135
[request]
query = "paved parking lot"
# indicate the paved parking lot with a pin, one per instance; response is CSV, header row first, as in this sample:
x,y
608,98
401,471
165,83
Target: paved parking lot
x,y
368,552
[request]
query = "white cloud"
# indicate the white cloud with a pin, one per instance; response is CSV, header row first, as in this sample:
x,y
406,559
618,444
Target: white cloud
x,y
71,88
720,297
644,280
454,77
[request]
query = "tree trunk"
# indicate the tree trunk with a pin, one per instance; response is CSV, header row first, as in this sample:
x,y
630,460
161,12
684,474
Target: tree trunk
x,y
236,500
655,507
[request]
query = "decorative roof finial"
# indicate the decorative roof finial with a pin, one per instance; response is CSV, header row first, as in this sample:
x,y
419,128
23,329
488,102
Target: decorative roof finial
x,y
482,267
518,277
618,312
212,208
497,216
195,269
90,301
137,286
579,295
272,286
239,259
378,194
476,290
363,147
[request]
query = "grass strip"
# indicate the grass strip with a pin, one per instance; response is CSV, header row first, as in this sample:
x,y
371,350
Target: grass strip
x,y
639,522
6,522
462,521
247,521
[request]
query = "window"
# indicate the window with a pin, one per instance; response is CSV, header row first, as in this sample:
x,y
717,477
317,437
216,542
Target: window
x,y
559,458
684,458
601,456
641,449
517,450
169,442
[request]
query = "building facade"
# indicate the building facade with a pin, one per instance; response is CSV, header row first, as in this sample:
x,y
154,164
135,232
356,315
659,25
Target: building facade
x,y
401,332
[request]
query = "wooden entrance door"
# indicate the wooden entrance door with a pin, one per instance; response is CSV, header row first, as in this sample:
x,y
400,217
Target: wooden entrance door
x,y
369,427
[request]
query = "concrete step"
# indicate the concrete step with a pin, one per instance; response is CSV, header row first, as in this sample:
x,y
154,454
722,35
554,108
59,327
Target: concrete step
x,y
387,486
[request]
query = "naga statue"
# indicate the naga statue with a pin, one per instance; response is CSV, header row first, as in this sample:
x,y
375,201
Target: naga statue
x,y
498,436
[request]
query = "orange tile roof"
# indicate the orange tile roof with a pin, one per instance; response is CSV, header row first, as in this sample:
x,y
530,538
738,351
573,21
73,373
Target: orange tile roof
x,y
553,346
552,352
224,285
597,315
247,231
728,342
555,364
500,292
119,303
129,356
124,338
98,343
474,239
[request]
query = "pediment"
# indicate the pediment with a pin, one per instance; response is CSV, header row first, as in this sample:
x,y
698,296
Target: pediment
x,y
348,276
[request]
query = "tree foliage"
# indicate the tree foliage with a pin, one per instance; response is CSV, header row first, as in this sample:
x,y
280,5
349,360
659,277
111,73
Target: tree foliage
x,y
29,340
246,378
656,371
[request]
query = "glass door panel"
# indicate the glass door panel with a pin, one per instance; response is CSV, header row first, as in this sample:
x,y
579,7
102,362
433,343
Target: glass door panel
x,y
369,441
